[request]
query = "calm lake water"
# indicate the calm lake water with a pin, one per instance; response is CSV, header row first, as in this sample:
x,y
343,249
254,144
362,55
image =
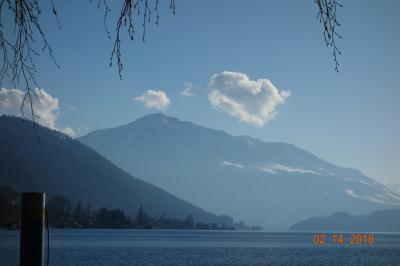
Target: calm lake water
x,y
178,247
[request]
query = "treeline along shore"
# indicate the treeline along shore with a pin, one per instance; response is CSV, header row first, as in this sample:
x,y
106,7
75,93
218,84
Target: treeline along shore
x,y
63,214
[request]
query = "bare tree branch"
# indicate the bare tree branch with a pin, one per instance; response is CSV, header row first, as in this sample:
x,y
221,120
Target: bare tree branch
x,y
19,46
327,17
130,10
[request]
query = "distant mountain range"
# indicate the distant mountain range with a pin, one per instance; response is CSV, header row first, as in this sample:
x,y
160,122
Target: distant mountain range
x,y
379,221
270,184
63,166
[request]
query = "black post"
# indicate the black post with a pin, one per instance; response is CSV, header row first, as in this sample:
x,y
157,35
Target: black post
x,y
32,225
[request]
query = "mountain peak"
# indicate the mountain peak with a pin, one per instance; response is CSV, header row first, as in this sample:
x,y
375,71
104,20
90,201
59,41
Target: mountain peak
x,y
156,118
158,115
160,121
231,174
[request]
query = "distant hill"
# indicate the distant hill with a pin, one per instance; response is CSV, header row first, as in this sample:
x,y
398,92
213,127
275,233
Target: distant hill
x,y
379,221
63,166
267,183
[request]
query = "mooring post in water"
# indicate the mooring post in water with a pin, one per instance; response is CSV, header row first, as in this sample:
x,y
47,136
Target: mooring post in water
x,y
32,226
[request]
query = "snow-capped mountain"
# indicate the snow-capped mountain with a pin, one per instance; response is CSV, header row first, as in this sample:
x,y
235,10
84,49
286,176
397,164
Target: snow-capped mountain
x,y
271,184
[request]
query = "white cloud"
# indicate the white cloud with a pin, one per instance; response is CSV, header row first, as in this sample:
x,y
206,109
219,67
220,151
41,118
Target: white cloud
x,y
68,131
227,163
45,107
251,101
154,99
188,89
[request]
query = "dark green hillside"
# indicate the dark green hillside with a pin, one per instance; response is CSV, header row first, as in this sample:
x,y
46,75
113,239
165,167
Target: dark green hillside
x,y
63,166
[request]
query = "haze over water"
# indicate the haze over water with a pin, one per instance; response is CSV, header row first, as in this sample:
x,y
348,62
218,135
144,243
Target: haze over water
x,y
84,247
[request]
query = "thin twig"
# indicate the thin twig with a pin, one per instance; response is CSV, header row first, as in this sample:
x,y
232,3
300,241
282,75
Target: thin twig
x,y
327,10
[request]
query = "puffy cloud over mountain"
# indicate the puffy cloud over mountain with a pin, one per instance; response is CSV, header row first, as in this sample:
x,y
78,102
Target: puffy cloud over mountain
x,y
154,99
251,101
45,107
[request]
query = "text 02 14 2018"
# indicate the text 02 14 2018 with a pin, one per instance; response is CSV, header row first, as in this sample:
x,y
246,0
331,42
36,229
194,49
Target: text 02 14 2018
x,y
340,238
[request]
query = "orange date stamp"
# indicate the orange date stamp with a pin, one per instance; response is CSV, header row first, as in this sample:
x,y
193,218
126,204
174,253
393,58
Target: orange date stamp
x,y
340,239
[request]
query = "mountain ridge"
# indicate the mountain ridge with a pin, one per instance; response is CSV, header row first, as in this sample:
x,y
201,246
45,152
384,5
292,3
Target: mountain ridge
x,y
266,183
378,221
60,165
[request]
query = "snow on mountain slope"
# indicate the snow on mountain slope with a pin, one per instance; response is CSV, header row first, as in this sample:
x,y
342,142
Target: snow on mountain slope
x,y
271,184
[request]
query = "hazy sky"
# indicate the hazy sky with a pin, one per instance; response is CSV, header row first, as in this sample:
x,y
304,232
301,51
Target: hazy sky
x,y
350,119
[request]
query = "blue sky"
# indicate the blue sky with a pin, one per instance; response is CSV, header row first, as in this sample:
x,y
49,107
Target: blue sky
x,y
349,118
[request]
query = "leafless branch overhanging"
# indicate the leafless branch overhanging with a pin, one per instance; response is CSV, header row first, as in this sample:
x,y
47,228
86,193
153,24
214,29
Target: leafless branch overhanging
x,y
130,11
23,39
327,10
20,45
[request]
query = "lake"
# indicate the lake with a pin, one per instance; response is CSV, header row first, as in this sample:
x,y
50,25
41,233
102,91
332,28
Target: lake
x,y
84,247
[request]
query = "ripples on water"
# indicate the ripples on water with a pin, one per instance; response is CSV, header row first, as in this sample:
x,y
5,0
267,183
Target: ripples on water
x,y
175,247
